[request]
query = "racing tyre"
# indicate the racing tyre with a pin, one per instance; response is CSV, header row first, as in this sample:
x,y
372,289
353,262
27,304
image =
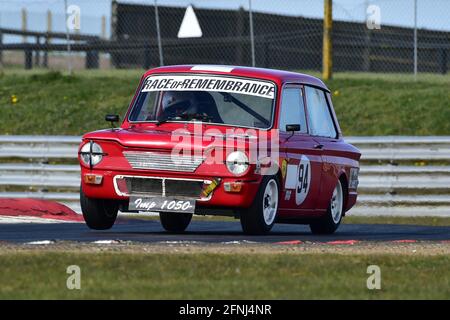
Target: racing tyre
x,y
99,214
332,219
175,222
260,217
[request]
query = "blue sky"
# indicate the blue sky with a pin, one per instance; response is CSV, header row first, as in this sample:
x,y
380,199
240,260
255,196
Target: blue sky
x,y
432,14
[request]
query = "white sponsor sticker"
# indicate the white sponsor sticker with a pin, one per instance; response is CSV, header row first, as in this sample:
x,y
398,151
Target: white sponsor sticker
x,y
291,176
207,67
258,88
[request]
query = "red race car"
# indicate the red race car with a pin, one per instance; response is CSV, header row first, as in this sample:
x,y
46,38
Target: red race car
x,y
261,145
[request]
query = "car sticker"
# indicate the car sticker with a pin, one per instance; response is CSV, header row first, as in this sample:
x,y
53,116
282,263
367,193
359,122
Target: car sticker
x,y
287,195
303,180
284,168
258,88
206,67
291,176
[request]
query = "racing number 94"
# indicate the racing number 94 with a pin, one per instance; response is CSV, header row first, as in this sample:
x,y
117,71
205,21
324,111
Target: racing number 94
x,y
303,173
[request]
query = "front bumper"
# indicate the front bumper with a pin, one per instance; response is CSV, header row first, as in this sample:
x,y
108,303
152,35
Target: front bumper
x,y
108,188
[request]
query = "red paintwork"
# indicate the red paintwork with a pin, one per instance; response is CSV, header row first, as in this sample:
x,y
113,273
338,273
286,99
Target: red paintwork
x,y
334,161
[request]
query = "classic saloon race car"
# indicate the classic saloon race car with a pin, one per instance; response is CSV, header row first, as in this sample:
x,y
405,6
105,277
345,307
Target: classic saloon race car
x,y
261,145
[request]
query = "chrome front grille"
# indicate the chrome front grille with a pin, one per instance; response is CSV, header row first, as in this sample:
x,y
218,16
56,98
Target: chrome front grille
x,y
161,187
162,161
144,186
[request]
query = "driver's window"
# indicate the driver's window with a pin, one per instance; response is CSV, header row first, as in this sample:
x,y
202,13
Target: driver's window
x,y
292,108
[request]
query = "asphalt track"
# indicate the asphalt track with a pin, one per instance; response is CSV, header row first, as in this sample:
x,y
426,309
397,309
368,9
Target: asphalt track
x,y
150,231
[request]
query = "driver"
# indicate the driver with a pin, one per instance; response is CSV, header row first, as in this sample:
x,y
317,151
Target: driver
x,y
186,105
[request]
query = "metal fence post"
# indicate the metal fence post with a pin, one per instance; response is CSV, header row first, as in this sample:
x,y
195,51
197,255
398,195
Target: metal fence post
x,y
1,51
443,60
240,27
24,23
158,34
37,53
47,38
103,27
28,59
69,61
92,59
415,39
367,41
116,56
252,36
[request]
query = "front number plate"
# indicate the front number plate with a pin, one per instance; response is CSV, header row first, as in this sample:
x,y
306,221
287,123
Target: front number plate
x,y
161,204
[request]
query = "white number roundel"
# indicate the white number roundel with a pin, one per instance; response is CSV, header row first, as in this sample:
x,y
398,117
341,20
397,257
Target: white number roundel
x,y
303,181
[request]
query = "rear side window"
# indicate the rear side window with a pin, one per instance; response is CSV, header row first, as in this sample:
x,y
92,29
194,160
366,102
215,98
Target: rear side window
x,y
319,116
292,108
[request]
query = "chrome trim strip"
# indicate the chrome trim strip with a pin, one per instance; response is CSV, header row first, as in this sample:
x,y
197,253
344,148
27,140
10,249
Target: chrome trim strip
x,y
148,160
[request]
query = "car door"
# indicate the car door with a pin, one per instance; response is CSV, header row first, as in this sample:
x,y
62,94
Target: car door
x,y
325,130
301,160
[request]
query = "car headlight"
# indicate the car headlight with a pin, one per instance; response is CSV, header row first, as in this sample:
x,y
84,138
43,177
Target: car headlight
x,y
91,154
237,162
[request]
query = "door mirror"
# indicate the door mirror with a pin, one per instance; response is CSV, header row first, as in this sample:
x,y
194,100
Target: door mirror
x,y
292,127
112,118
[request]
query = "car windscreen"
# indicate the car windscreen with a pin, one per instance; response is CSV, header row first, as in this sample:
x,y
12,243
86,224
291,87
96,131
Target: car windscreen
x,y
214,99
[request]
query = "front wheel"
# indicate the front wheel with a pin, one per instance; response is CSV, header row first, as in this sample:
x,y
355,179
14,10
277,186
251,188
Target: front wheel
x,y
260,217
175,222
99,214
329,223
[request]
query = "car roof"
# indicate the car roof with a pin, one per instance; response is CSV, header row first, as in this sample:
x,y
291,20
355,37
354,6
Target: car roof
x,y
278,76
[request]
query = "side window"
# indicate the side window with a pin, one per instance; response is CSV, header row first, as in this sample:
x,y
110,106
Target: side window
x,y
292,108
319,117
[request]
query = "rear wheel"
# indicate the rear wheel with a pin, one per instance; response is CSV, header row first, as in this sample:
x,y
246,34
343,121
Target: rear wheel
x,y
260,217
99,214
329,223
175,222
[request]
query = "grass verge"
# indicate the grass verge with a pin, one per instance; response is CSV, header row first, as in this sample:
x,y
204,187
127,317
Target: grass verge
x,y
222,276
39,102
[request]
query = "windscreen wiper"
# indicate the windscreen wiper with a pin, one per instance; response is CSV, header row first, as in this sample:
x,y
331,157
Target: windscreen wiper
x,y
166,119
245,107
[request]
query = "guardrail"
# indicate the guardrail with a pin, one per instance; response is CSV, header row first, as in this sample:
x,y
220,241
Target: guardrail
x,y
393,188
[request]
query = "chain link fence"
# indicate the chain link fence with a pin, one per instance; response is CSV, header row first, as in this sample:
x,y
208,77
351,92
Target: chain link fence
x,y
367,35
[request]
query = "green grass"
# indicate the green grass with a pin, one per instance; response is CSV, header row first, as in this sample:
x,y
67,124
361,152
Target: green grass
x,y
366,104
220,276
394,105
52,103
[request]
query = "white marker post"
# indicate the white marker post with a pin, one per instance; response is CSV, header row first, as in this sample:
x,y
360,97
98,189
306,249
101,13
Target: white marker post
x,y
190,27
